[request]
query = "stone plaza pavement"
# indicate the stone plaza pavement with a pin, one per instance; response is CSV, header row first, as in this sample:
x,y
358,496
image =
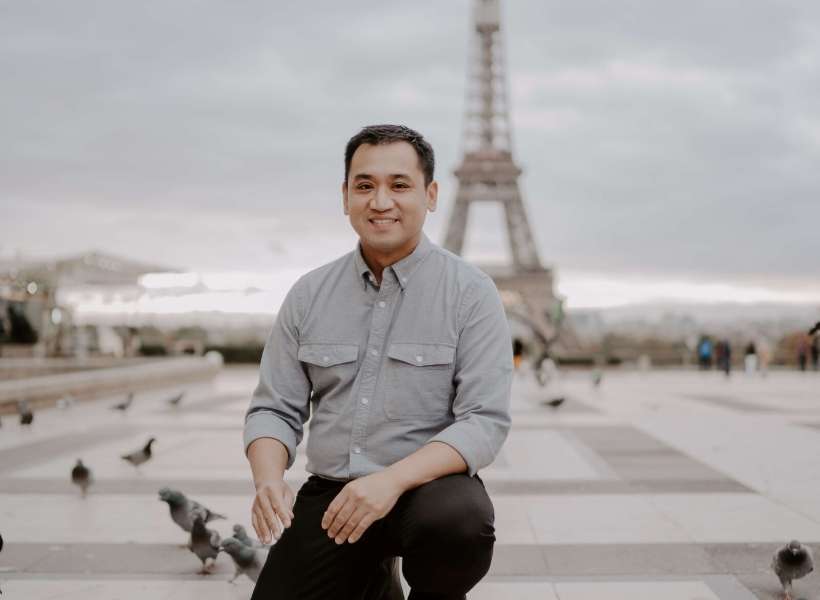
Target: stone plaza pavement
x,y
662,485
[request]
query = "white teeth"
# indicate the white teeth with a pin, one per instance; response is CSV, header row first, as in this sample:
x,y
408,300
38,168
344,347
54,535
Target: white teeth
x,y
383,221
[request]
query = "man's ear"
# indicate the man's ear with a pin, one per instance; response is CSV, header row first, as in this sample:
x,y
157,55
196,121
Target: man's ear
x,y
344,198
432,196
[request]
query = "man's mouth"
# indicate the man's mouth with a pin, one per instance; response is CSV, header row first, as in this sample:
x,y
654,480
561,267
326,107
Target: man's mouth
x,y
383,221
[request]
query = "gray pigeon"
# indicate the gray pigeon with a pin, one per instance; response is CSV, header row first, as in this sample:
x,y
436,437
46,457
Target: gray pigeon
x,y
65,402
791,562
555,402
125,404
183,509
81,476
204,542
138,457
245,558
241,534
26,415
175,400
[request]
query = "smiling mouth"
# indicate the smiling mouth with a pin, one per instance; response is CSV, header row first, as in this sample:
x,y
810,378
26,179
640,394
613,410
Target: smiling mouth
x,y
383,221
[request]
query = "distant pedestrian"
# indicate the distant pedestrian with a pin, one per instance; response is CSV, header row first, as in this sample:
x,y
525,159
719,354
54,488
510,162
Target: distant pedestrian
x,y
802,352
705,353
723,356
750,359
764,355
518,352
814,350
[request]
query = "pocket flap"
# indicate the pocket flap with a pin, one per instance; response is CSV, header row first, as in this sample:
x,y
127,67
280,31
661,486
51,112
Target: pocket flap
x,y
327,355
422,354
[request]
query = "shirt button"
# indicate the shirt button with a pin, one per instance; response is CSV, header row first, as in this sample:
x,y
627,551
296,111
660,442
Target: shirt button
x,y
325,358
356,449
382,304
419,357
374,352
365,400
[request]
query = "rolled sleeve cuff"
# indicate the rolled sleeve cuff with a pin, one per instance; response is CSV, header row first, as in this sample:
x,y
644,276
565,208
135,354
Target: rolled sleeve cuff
x,y
461,436
262,424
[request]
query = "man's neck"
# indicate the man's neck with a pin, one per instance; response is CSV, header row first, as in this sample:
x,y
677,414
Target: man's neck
x,y
379,261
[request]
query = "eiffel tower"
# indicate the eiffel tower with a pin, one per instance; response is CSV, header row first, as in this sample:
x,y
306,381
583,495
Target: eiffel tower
x,y
488,173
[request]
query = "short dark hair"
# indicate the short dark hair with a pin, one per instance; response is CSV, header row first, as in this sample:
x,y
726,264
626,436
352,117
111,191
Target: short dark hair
x,y
388,134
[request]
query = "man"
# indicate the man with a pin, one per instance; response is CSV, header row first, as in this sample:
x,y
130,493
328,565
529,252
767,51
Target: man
x,y
400,353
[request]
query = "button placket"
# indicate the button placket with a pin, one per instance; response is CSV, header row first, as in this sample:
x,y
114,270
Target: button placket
x,y
370,367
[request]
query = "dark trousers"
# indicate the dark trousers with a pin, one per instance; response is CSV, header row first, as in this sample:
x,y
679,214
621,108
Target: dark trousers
x,y
443,530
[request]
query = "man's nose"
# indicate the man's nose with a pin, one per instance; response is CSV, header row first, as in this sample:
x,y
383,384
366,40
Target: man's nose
x,y
382,199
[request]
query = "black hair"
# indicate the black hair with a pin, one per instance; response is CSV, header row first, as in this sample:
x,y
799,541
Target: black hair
x,y
388,134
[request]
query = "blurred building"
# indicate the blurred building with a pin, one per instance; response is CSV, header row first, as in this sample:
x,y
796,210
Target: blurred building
x,y
36,315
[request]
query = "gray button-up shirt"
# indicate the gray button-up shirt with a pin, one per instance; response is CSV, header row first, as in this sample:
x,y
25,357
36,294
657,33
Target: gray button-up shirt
x,y
425,356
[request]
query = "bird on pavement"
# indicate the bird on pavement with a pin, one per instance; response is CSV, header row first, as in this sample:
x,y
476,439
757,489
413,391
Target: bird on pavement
x,y
245,558
597,377
26,414
125,404
175,400
81,476
204,542
138,457
555,402
183,509
241,534
792,561
65,402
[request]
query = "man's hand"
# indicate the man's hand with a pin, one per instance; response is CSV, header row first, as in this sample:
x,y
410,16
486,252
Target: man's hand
x,y
360,503
272,508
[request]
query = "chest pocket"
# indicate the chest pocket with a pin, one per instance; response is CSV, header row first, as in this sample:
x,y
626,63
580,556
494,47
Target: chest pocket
x,y
332,369
419,380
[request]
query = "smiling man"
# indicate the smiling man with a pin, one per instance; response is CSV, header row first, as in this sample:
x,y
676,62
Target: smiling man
x,y
400,353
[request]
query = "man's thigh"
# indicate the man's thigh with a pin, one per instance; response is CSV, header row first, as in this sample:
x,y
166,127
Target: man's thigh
x,y
305,563
445,532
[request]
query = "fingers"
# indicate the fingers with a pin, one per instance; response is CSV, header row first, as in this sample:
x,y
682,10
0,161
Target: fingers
x,y
352,525
359,530
335,520
270,517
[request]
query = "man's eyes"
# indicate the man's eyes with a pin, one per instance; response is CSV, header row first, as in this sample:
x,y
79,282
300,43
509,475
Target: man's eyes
x,y
364,187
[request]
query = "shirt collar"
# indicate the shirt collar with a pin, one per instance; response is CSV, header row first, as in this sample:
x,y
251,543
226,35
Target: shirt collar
x,y
403,269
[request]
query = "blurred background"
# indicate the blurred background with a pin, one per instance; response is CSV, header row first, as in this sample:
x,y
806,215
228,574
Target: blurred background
x,y
169,169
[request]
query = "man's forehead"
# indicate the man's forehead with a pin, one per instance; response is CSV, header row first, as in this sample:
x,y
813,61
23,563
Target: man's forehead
x,y
396,159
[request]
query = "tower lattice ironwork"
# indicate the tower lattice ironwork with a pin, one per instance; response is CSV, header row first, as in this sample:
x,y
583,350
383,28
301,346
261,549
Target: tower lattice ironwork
x,y
488,173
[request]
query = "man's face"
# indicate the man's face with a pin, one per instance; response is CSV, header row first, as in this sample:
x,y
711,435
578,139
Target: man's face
x,y
385,197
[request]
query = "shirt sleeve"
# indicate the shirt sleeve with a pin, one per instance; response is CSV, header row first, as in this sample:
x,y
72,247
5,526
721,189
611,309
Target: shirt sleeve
x,y
280,405
483,379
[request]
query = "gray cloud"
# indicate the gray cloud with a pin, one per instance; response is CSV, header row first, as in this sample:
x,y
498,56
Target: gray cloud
x,y
665,138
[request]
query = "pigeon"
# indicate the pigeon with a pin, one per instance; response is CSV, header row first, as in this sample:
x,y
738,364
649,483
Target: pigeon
x,y
81,476
183,509
555,402
241,534
138,457
65,402
245,559
125,404
26,416
204,542
791,562
174,400
597,377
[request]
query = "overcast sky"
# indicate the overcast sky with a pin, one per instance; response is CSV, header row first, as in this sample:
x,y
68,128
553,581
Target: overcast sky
x,y
661,140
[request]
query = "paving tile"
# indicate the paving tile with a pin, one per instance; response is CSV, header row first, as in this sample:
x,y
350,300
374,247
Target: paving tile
x,y
635,590
628,559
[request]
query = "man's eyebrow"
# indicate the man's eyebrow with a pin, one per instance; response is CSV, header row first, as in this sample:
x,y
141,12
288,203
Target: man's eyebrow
x,y
359,176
